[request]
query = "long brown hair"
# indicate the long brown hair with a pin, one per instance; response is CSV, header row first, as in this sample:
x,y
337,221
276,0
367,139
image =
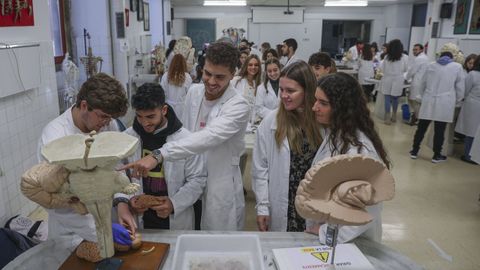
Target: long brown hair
x,y
294,124
176,70
349,115
244,72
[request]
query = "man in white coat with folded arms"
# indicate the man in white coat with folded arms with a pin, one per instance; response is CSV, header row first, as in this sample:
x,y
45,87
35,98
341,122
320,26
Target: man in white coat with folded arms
x,y
443,86
218,116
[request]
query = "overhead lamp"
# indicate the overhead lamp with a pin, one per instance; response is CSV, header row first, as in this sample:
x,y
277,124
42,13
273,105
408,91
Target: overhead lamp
x,y
346,3
225,2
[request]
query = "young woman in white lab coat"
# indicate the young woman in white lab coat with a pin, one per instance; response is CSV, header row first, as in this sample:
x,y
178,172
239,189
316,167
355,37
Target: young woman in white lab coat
x,y
365,70
285,144
341,109
176,83
267,98
248,80
469,121
393,66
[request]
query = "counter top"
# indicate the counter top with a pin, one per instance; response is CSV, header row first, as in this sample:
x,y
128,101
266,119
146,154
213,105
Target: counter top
x,y
52,253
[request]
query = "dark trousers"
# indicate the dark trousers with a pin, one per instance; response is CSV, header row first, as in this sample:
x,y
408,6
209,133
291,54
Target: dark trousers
x,y
438,135
368,89
197,210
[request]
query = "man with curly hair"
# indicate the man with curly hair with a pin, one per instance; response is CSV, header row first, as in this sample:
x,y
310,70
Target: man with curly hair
x,y
100,100
218,117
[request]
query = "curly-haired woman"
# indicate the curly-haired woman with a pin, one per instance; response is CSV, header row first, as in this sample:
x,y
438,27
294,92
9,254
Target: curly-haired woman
x,y
341,109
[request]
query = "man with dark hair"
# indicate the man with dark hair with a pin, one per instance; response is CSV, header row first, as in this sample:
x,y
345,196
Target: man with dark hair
x,y
289,48
415,73
354,54
321,64
218,117
177,185
100,99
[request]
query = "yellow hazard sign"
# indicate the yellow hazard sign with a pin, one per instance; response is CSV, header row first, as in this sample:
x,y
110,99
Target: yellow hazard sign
x,y
322,256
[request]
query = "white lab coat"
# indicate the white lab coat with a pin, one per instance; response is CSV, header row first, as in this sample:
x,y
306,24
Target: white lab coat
x,y
265,102
292,60
175,95
442,87
372,230
222,140
469,118
270,174
365,70
63,222
392,80
475,151
415,73
353,62
186,180
248,92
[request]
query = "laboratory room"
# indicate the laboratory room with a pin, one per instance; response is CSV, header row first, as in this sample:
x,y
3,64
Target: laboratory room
x,y
240,134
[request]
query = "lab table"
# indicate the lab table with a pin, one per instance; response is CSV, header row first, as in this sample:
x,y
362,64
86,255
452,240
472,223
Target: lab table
x,y
52,253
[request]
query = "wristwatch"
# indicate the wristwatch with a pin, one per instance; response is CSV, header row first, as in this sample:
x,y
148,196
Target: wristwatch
x,y
157,155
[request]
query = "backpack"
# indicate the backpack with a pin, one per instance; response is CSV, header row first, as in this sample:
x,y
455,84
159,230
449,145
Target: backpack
x,y
13,244
33,229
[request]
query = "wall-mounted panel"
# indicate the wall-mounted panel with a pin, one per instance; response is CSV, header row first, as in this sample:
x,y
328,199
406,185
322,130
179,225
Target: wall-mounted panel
x,y
277,15
19,68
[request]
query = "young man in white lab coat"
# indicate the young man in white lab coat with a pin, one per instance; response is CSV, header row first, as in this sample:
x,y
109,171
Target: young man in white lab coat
x,y
415,73
443,86
178,184
100,99
355,51
289,47
218,116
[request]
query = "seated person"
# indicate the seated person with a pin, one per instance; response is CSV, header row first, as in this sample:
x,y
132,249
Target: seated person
x,y
174,186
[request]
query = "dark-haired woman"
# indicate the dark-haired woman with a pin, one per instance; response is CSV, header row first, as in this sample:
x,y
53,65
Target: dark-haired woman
x,y
393,66
341,109
267,98
366,70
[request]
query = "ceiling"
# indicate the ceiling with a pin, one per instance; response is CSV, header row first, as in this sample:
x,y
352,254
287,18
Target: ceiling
x,y
303,3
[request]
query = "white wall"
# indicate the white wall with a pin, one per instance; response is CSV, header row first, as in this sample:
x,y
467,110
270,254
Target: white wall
x,y
23,116
467,43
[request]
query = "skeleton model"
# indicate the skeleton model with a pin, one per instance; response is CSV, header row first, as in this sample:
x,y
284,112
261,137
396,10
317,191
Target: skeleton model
x,y
93,179
159,59
71,81
89,61
234,34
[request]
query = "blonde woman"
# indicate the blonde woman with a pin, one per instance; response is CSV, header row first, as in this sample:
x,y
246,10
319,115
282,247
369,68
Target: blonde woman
x,y
248,80
286,143
176,84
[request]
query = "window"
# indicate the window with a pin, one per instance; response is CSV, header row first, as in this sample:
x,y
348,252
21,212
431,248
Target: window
x,y
57,25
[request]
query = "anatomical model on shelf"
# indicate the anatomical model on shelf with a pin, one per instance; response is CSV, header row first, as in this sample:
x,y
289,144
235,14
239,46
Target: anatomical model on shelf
x,y
88,161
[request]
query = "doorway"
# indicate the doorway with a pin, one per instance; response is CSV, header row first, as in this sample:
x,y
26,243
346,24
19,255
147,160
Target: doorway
x,y
339,35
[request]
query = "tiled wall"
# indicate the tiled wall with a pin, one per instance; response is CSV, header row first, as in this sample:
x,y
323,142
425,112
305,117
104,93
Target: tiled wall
x,y
22,118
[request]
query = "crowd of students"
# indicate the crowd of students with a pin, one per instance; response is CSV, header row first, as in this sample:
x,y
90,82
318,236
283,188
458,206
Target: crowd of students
x,y
192,134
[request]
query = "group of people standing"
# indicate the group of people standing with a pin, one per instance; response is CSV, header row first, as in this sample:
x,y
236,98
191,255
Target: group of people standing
x,y
196,156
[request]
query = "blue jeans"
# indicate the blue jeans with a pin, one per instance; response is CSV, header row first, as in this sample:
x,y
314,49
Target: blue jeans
x,y
393,100
468,145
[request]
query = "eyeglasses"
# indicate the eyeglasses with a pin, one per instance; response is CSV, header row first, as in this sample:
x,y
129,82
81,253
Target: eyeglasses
x,y
102,116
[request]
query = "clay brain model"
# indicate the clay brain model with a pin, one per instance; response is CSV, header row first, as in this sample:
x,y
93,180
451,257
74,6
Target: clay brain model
x,y
338,189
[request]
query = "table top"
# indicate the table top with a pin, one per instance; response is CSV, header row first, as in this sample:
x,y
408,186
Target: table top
x,y
52,253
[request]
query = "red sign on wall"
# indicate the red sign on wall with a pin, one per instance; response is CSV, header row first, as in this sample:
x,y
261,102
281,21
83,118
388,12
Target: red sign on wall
x,y
16,13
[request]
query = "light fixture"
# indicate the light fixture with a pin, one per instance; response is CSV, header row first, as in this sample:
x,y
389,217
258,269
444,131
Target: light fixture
x,y
225,2
346,3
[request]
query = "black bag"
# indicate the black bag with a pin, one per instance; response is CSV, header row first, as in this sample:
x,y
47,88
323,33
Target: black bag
x,y
13,244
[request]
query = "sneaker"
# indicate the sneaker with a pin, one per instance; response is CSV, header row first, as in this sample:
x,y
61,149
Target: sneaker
x,y
439,158
463,158
413,154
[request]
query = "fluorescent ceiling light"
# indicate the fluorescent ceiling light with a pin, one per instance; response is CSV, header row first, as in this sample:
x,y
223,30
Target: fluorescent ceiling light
x,y
225,2
346,3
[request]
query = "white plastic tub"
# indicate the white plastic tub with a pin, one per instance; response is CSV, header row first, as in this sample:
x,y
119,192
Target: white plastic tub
x,y
218,251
